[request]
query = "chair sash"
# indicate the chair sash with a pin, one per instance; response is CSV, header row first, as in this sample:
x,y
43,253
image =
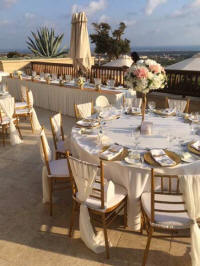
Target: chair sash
x,y
84,175
85,109
24,93
46,148
56,120
190,187
8,107
35,122
178,104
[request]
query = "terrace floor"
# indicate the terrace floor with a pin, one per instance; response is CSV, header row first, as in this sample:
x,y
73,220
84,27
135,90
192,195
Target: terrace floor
x,y
30,237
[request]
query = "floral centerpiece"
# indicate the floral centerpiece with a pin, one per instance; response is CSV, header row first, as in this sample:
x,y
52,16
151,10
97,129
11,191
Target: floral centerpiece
x,y
19,74
80,82
144,76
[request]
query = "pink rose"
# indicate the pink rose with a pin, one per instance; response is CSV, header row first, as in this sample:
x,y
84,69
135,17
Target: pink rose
x,y
141,73
155,68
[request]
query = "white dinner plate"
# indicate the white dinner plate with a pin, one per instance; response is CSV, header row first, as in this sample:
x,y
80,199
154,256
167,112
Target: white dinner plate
x,y
132,160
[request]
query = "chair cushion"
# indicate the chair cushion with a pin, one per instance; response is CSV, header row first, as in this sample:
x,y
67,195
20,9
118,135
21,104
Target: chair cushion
x,y
20,105
61,146
166,220
5,120
22,111
120,194
59,168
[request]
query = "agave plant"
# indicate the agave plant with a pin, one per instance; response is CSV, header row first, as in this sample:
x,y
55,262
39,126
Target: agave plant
x,y
45,43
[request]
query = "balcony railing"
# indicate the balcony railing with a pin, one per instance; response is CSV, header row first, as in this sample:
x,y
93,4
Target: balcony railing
x,y
105,73
181,82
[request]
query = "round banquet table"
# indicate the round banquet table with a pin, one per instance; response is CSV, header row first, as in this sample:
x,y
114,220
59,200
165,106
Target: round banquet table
x,y
136,178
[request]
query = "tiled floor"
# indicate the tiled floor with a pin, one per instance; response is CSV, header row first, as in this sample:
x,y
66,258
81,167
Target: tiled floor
x,y
30,237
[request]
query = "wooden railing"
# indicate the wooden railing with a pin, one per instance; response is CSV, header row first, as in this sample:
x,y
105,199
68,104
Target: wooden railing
x,y
105,73
181,82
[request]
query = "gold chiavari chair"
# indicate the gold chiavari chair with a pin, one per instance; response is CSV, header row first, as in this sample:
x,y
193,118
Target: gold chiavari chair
x,y
57,170
58,136
163,208
181,105
83,110
101,212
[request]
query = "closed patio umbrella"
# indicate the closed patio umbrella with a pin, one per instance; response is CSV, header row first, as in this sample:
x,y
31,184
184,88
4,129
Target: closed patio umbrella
x,y
79,44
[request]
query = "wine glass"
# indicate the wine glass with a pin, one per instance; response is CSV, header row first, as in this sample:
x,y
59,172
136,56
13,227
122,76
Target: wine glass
x,y
136,137
151,105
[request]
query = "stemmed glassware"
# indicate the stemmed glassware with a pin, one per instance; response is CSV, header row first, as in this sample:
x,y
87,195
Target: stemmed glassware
x,y
136,137
151,105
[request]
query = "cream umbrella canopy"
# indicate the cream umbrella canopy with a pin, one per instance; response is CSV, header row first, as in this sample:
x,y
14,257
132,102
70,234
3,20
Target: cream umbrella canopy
x,y
79,44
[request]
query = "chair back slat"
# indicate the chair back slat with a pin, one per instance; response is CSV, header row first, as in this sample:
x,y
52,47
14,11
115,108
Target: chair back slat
x,y
161,189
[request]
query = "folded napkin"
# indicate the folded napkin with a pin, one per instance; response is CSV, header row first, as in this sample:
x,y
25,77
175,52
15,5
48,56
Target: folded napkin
x,y
87,123
112,152
196,145
161,157
169,111
136,110
109,114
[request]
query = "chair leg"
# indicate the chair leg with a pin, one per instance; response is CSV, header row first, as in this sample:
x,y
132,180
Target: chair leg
x,y
105,236
142,223
71,227
3,135
18,129
31,121
51,196
147,247
125,213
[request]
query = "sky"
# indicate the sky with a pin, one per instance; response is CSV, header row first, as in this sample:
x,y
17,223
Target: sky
x,y
149,22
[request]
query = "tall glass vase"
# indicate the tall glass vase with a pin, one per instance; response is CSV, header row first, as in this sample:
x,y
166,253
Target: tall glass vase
x,y
144,103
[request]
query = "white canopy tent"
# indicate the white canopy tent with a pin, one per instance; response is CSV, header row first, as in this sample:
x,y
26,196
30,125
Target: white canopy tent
x,y
190,64
123,60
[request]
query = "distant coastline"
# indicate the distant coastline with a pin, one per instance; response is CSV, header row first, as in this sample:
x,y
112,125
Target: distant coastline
x,y
189,48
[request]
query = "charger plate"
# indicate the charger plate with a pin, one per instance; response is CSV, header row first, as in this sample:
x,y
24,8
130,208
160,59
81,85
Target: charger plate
x,y
119,157
159,112
191,149
172,155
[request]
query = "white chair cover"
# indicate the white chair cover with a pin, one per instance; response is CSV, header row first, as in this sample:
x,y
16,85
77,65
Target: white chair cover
x,y
190,186
85,109
84,175
8,107
56,120
102,101
45,184
35,121
178,104
24,93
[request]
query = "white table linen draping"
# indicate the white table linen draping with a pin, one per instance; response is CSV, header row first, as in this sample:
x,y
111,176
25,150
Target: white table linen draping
x,y
84,176
190,186
59,98
3,74
8,106
135,178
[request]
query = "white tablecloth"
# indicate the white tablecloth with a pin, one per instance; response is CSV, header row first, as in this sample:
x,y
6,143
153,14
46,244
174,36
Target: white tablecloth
x,y
3,74
135,178
58,98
